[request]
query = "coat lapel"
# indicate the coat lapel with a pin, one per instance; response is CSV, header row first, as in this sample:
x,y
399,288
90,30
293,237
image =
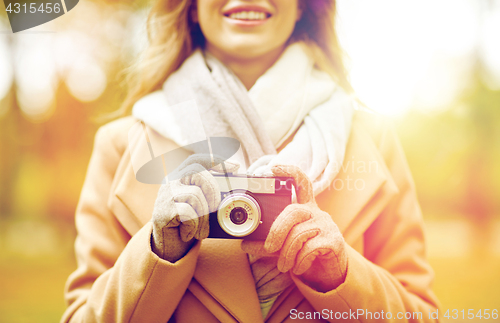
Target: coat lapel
x,y
224,272
362,188
360,192
132,201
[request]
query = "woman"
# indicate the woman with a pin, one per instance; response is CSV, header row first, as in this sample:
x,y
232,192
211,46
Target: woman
x,y
268,73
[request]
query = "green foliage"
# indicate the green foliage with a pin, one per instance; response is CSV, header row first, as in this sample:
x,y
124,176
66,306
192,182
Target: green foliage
x,y
454,155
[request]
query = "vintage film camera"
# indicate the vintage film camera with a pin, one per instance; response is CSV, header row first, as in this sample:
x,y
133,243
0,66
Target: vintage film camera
x,y
249,205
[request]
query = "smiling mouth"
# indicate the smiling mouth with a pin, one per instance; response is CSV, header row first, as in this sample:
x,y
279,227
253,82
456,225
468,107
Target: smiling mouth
x,y
250,15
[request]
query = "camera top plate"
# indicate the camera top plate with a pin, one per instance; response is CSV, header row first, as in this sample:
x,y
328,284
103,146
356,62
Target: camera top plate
x,y
255,184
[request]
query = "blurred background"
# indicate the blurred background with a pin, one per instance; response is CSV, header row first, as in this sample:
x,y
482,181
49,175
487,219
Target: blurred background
x,y
433,66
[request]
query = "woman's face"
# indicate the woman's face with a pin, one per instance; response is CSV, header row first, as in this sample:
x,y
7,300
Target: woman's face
x,y
246,29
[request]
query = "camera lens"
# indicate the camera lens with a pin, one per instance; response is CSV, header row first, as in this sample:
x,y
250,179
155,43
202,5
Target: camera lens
x,y
238,215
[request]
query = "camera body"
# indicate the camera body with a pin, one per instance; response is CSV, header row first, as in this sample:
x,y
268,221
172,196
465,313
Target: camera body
x,y
249,205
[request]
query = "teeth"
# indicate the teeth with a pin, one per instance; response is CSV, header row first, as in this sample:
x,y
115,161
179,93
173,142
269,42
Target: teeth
x,y
248,15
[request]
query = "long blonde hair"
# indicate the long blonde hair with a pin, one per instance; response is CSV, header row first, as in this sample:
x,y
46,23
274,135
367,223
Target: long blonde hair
x,y
173,36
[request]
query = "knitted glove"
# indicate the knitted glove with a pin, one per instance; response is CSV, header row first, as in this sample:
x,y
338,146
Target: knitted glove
x,y
182,207
305,238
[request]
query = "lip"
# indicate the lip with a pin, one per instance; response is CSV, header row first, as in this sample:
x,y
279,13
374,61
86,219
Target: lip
x,y
227,12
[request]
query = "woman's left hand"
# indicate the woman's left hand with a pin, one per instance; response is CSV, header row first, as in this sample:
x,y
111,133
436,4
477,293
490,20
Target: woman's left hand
x,y
308,241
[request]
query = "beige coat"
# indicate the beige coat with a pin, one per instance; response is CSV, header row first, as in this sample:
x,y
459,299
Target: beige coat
x,y
372,200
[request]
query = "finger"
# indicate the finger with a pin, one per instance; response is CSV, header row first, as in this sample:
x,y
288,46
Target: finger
x,y
292,215
203,227
211,162
307,255
204,160
294,244
189,225
180,171
261,171
303,184
192,195
197,175
256,248
165,212
224,166
327,246
260,164
192,225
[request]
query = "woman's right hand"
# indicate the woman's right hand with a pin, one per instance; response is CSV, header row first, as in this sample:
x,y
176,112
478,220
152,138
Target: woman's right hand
x,y
182,207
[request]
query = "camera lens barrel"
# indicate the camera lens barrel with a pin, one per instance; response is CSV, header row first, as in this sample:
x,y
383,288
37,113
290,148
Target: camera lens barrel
x,y
239,214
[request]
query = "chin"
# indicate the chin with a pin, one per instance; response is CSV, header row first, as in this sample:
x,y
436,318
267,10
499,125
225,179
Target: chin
x,y
249,49
245,52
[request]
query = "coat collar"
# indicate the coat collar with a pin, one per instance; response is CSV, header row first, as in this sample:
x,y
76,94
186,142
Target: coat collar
x,y
359,193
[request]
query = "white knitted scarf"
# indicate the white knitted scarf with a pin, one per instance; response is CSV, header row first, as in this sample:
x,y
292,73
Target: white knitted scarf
x,y
205,99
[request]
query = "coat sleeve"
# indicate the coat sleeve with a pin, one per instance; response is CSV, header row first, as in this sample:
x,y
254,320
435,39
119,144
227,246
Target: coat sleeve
x,y
119,278
393,275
